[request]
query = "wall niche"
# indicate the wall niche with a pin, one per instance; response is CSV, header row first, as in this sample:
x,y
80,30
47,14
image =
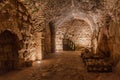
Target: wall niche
x,y
8,51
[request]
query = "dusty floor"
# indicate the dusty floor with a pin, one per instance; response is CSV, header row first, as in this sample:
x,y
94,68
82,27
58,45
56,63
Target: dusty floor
x,y
60,66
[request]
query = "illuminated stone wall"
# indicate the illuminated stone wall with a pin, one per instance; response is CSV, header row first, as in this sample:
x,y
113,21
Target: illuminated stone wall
x,y
77,31
28,19
15,18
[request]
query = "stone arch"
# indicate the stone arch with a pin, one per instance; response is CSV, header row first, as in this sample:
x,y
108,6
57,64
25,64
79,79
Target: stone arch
x,y
8,51
15,31
81,16
58,26
78,15
80,41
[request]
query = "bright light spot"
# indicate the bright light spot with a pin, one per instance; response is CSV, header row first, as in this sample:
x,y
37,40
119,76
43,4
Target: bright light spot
x,y
38,62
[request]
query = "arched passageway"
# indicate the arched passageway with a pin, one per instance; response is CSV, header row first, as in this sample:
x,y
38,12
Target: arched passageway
x,y
8,51
73,35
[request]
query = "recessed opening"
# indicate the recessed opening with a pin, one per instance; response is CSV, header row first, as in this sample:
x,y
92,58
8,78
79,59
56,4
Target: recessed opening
x,y
73,35
8,51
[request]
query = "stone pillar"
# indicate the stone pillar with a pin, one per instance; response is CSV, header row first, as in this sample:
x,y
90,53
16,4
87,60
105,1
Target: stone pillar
x,y
39,53
94,43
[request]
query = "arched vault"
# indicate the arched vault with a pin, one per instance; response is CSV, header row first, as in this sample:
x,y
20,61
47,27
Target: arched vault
x,y
78,15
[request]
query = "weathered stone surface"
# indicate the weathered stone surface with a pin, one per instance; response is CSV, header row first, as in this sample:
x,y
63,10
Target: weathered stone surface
x,y
16,19
77,31
31,21
61,66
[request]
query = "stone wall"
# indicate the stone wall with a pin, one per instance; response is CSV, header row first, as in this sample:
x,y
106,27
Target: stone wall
x,y
109,43
109,35
44,11
15,18
77,31
18,17
9,46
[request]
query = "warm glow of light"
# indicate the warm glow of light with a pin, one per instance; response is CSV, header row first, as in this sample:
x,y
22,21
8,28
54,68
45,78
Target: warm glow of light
x,y
38,62
84,42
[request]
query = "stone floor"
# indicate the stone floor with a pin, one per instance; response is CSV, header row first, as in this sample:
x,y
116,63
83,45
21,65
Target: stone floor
x,y
59,66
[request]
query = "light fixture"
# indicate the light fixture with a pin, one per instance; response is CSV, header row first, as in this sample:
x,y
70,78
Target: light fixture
x,y
38,62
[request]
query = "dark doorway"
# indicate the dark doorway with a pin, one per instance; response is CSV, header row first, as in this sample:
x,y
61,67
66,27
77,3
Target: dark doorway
x,y
68,45
8,51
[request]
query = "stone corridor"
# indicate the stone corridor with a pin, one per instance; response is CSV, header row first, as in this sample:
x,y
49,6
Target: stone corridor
x,y
65,65
59,39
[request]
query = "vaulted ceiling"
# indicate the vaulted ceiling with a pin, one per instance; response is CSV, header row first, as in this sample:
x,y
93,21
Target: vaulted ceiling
x,y
60,11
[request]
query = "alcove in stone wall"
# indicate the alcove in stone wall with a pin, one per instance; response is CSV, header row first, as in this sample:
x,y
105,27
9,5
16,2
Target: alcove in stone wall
x,y
8,51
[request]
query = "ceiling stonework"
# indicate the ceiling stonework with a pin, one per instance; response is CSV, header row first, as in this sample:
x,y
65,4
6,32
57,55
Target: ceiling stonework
x,y
44,11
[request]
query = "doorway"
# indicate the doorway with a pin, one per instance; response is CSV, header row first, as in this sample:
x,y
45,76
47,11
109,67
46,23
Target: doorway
x,y
8,51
